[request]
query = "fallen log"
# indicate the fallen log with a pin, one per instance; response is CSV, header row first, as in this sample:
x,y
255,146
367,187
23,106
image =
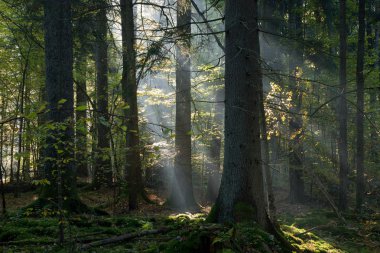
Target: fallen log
x,y
120,238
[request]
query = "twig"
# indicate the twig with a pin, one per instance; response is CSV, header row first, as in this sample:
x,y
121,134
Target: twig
x,y
124,237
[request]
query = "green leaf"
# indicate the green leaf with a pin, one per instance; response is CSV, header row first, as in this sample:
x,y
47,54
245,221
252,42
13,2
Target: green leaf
x,y
81,108
62,101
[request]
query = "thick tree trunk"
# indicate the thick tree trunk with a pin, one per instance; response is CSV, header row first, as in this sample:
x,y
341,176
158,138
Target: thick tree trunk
x,y
360,190
182,196
342,109
241,195
129,86
103,166
58,153
296,182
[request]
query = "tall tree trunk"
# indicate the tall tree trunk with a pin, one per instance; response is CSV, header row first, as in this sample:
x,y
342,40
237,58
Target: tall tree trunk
x,y
2,178
103,166
129,85
21,125
296,182
213,182
59,151
81,112
360,190
11,173
241,195
342,109
266,159
182,196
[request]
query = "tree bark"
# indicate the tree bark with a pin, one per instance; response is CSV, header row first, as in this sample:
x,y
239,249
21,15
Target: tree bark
x,y
103,166
182,196
58,152
129,86
342,109
241,195
360,187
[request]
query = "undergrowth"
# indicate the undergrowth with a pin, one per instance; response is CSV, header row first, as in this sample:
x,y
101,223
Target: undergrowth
x,y
185,233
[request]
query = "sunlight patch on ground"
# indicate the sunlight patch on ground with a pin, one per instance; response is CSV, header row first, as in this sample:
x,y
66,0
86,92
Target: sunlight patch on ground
x,y
307,241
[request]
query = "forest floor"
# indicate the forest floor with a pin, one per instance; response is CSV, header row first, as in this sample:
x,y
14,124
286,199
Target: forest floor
x,y
155,228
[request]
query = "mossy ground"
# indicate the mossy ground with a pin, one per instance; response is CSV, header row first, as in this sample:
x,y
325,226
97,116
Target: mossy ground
x,y
320,231
187,232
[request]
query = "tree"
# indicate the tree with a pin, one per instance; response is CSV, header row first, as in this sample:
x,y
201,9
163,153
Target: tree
x,y
241,194
360,188
129,86
342,108
103,168
213,181
182,186
59,168
81,61
296,182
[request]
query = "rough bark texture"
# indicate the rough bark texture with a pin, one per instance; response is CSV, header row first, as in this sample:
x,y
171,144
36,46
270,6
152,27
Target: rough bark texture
x,y
129,85
342,109
182,187
241,194
296,182
103,167
58,151
360,190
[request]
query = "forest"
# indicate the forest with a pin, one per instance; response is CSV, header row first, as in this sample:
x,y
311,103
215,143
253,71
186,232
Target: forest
x,y
190,126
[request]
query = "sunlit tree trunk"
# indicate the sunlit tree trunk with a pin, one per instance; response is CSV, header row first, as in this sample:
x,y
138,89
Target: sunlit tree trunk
x,y
241,195
182,196
214,164
271,25
360,187
342,108
129,86
103,166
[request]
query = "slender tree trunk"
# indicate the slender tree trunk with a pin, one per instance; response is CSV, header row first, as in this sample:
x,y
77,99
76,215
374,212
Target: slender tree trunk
x,y
28,139
360,187
11,173
241,195
2,178
182,196
129,85
21,126
296,182
81,113
103,166
213,182
266,159
342,109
